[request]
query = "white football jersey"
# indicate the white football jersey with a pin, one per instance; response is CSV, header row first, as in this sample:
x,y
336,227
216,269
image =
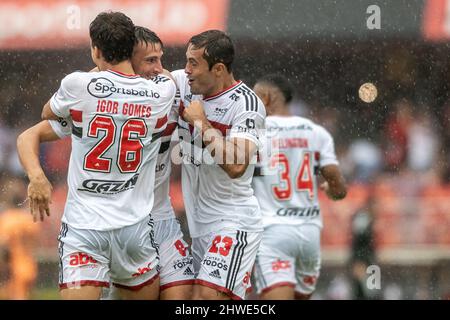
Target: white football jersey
x,y
285,182
212,199
162,208
117,121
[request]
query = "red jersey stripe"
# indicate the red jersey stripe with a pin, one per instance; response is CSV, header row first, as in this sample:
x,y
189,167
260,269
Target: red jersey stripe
x,y
169,129
221,127
76,115
161,121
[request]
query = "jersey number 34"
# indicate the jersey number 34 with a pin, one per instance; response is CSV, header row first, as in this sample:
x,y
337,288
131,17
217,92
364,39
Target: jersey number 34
x,y
303,177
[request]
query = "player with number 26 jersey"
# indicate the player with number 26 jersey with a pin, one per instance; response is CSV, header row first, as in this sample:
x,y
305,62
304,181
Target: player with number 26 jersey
x,y
117,120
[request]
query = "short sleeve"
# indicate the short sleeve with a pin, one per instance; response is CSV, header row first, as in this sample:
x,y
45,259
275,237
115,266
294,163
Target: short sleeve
x,y
167,89
62,127
249,125
326,148
180,78
67,95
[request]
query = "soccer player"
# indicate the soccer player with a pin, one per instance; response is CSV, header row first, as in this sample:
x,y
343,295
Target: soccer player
x,y
177,274
223,115
117,119
288,260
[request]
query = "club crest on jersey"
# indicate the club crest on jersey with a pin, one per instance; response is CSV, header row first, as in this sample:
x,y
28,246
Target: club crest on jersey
x,y
103,88
108,186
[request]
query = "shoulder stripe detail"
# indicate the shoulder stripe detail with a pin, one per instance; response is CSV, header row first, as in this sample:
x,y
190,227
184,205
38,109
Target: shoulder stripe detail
x,y
158,79
252,96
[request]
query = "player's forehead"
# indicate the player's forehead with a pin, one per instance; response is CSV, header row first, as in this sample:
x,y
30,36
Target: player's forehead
x,y
149,49
194,53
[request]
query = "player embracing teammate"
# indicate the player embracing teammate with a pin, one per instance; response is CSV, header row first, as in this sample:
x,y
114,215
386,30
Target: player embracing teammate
x,y
121,119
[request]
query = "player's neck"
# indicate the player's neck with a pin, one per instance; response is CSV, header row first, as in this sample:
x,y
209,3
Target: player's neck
x,y
223,85
123,67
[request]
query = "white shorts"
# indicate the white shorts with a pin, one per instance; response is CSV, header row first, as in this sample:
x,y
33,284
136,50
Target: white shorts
x,y
127,257
176,259
223,260
288,256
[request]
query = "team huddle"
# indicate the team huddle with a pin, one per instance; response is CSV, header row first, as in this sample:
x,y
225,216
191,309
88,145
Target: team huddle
x,y
250,174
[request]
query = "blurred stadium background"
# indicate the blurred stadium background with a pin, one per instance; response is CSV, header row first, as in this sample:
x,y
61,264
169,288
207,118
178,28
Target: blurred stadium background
x,y
394,151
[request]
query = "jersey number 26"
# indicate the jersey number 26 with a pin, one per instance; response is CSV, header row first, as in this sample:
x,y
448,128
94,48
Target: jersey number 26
x,y
130,146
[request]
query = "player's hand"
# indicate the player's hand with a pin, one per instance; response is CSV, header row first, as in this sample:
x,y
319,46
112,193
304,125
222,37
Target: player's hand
x,y
194,113
39,194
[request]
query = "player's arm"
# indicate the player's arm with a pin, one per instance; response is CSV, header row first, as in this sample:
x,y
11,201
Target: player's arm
x,y
47,113
39,188
334,185
232,155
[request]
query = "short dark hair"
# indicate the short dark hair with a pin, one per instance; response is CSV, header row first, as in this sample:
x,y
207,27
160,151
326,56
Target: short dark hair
x,y
113,34
280,82
218,47
147,36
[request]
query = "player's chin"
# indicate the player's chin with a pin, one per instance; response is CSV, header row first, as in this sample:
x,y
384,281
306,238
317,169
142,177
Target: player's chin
x,y
194,88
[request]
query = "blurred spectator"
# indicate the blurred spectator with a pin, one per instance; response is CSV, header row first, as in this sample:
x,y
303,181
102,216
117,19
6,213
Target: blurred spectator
x,y
365,160
362,251
396,135
423,143
18,235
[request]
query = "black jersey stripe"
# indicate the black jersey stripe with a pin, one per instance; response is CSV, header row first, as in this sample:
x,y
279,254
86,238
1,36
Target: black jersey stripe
x,y
233,258
164,147
253,97
62,234
248,101
238,268
77,131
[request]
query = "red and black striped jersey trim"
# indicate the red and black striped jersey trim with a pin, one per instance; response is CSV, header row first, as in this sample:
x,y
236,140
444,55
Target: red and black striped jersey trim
x,y
124,75
221,93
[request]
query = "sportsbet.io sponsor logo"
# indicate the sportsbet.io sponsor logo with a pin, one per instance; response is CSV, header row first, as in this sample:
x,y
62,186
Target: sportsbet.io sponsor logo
x,y
103,88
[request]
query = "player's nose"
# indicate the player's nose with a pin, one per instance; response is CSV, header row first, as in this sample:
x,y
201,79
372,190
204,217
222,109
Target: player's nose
x,y
187,70
159,68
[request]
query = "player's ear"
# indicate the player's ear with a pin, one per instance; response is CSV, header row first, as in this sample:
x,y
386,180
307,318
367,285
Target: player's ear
x,y
95,53
219,69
